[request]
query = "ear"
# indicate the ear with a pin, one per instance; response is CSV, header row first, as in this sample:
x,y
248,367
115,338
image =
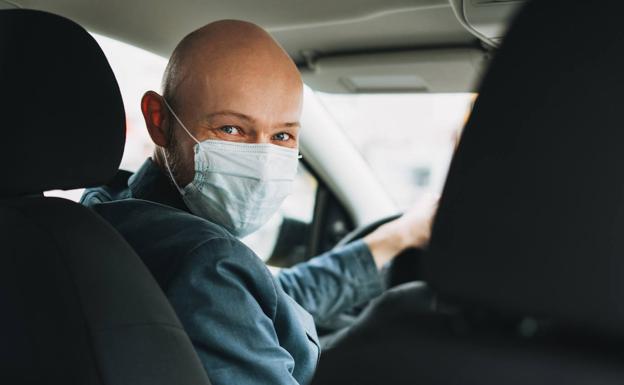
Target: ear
x,y
155,114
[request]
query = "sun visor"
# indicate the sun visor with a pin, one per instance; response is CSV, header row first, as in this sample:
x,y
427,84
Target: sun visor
x,y
435,70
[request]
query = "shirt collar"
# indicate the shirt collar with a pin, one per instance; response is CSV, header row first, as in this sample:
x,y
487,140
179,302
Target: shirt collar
x,y
152,184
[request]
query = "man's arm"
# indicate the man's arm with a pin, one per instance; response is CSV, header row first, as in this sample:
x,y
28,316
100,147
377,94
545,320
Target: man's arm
x,y
226,301
333,282
341,279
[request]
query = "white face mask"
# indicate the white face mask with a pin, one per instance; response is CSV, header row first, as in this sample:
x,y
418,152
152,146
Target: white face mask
x,y
238,185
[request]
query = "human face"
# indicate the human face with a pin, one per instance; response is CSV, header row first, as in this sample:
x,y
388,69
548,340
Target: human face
x,y
246,105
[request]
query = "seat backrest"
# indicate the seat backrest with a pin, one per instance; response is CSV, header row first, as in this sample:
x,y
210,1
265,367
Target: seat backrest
x,y
78,306
529,238
527,249
531,221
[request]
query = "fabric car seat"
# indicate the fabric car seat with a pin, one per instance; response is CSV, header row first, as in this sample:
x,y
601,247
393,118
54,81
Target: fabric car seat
x,y
527,248
77,306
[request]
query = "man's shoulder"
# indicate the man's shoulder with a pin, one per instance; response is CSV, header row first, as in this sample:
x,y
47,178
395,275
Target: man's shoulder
x,y
159,218
154,228
197,245
115,190
166,236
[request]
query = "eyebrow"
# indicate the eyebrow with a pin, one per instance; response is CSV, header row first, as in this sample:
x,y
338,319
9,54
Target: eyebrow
x,y
247,118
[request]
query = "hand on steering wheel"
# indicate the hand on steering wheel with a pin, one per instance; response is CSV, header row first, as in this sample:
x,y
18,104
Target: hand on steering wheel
x,y
405,267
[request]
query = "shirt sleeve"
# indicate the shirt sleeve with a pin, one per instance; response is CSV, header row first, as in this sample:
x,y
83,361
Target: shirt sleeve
x,y
226,300
333,282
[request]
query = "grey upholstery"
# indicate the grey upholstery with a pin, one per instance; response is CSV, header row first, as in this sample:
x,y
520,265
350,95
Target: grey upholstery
x,y
526,251
78,305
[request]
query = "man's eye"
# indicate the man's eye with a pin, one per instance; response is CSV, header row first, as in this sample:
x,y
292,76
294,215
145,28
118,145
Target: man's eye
x,y
230,130
282,136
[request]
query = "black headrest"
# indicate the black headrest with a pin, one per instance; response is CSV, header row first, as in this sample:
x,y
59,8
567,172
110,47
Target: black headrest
x,y
61,112
531,221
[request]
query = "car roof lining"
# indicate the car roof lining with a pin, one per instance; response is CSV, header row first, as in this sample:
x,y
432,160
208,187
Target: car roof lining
x,y
322,26
309,31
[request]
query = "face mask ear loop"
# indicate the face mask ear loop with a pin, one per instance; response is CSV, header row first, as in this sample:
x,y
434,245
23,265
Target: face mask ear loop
x,y
164,154
179,121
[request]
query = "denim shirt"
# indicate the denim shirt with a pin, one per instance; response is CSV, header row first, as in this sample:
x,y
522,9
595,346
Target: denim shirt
x,y
247,326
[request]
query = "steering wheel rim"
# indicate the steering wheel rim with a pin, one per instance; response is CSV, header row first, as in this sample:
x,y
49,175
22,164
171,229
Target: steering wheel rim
x,y
363,231
404,268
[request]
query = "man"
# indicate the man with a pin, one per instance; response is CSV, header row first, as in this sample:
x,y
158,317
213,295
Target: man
x,y
226,130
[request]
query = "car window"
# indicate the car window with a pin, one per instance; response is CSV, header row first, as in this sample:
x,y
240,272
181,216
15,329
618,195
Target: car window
x,y
407,139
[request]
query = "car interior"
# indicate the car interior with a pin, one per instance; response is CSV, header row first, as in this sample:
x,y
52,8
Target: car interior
x,y
524,262
520,283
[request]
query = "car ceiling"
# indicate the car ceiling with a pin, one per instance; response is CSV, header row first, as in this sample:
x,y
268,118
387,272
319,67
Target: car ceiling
x,y
305,28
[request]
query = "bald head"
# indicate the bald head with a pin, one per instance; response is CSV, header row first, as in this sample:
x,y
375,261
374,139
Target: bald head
x,y
229,80
224,48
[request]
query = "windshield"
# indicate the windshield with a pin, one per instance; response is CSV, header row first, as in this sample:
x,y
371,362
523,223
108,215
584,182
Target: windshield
x,y
407,139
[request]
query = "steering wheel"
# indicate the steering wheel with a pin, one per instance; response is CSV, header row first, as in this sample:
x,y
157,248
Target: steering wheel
x,y
405,267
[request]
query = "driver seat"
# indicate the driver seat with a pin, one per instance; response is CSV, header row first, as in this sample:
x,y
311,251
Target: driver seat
x,y
78,306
